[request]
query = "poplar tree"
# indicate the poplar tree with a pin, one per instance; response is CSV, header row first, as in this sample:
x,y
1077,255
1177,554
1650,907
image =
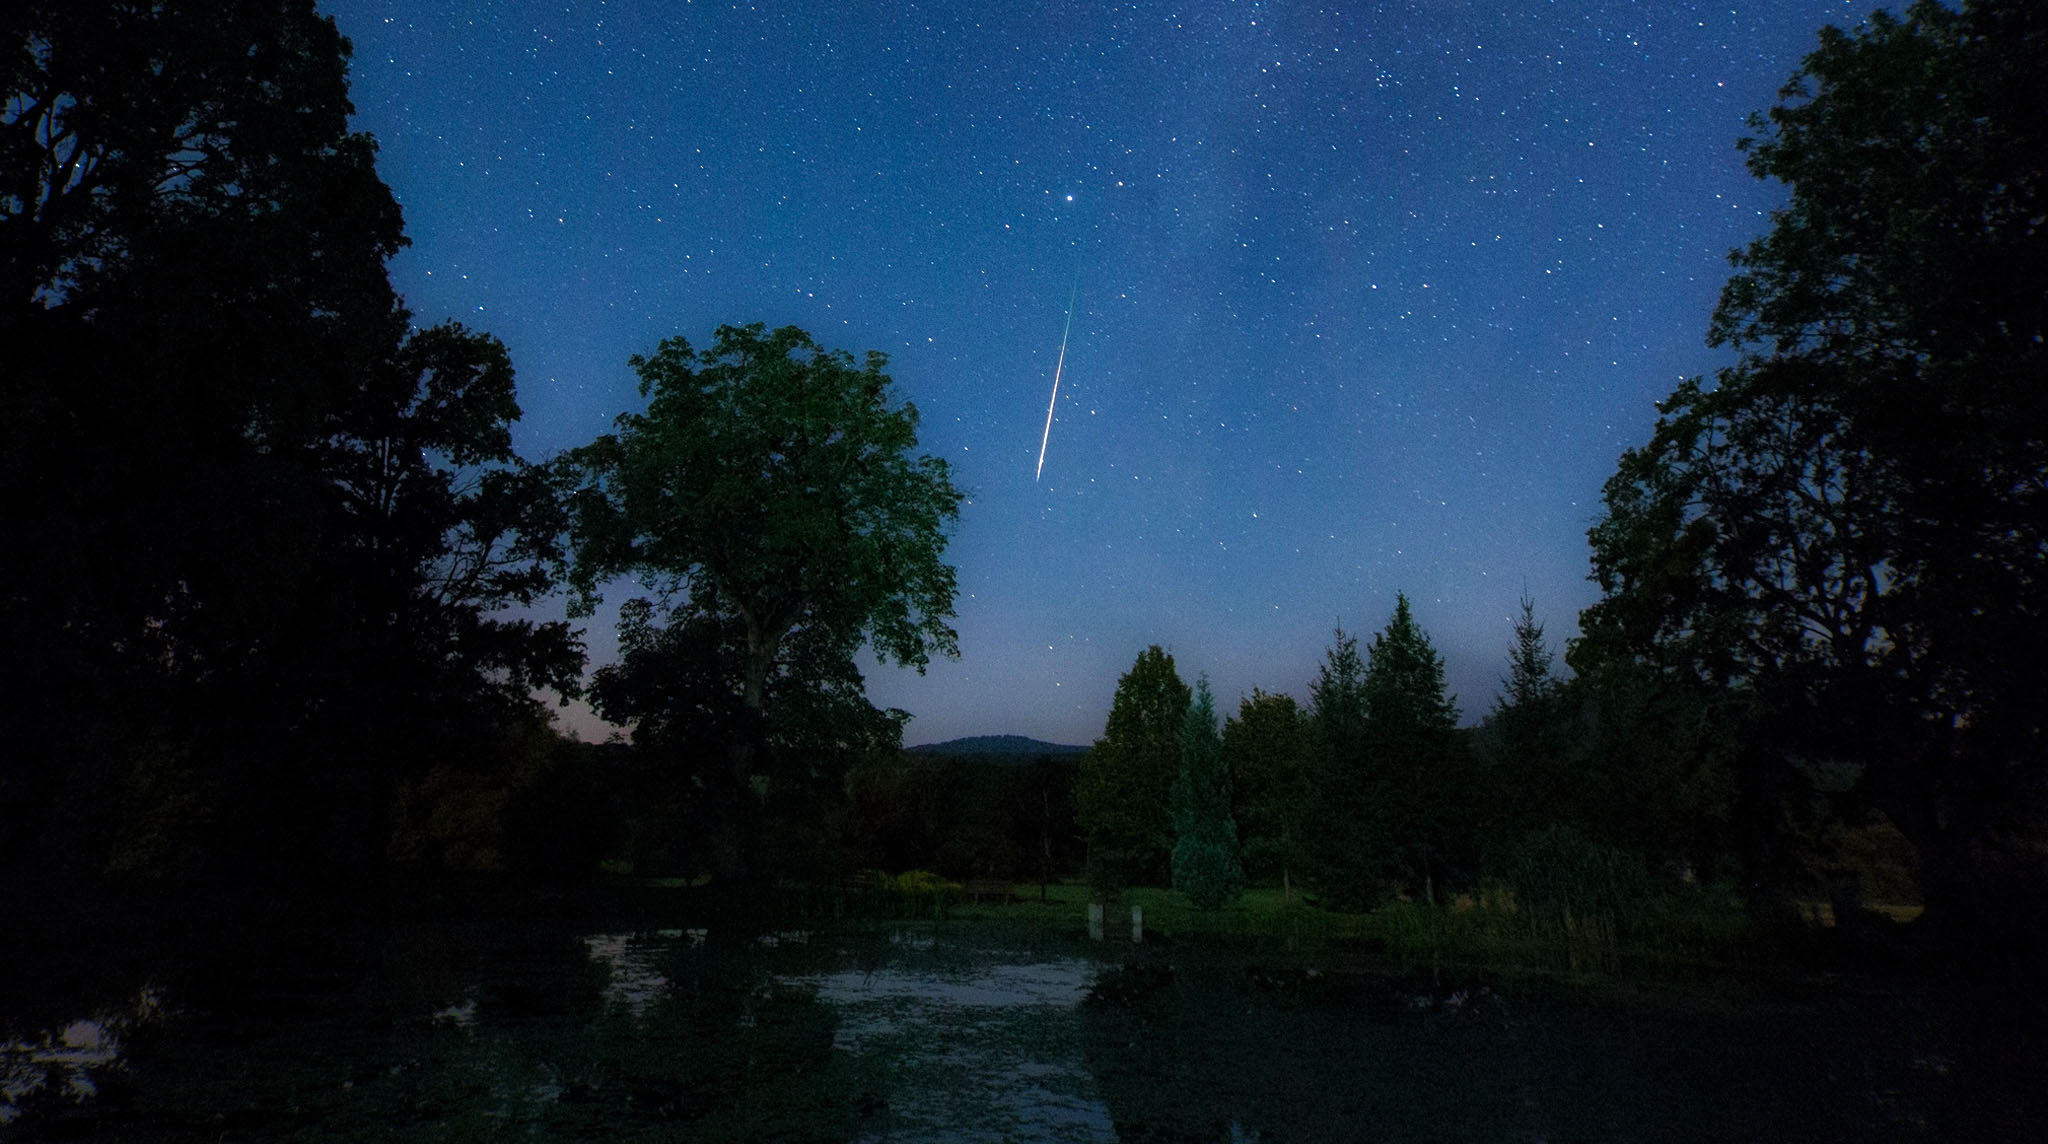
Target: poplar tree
x,y
1266,750
1123,792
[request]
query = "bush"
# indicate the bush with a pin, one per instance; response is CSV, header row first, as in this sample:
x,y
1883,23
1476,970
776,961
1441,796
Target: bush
x,y
1207,871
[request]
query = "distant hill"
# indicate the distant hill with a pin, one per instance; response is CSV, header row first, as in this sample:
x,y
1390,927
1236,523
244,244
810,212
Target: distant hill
x,y
1016,746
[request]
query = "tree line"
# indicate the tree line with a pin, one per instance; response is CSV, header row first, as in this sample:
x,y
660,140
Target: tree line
x,y
267,541
1822,578
1372,789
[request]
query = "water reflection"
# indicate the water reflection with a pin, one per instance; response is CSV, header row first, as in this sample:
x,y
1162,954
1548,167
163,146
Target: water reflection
x,y
929,1034
65,1066
973,1048
635,970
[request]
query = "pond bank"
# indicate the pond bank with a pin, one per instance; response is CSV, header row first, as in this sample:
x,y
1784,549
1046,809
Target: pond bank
x,y
522,1019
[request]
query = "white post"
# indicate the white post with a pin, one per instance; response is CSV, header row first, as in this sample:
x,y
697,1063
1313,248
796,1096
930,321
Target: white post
x,y
1137,925
1095,921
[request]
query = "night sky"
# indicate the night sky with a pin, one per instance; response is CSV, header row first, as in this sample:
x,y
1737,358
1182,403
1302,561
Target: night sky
x,y
1368,298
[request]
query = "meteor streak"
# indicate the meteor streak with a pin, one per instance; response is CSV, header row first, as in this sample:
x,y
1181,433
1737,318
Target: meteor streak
x,y
1057,367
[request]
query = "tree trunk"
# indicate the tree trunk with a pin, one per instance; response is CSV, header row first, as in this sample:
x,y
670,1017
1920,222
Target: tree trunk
x,y
735,847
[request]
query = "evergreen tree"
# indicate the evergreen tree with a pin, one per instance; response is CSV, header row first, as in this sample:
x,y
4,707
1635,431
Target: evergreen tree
x,y
1347,831
1524,740
1414,754
1531,680
1403,689
1205,863
1123,792
1337,698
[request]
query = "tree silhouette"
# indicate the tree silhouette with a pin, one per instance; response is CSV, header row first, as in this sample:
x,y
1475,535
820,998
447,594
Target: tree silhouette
x,y
1205,862
257,530
1849,526
1123,794
1266,751
1348,833
1413,752
770,486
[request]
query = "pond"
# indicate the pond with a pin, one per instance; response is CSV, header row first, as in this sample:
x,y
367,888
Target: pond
x,y
965,1033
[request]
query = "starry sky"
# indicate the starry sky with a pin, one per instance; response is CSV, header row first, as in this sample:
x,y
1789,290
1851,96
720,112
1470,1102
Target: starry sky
x,y
1367,297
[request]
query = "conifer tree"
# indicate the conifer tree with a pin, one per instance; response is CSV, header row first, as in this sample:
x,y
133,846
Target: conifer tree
x,y
1347,831
1412,753
1205,863
1531,782
1531,676
1403,689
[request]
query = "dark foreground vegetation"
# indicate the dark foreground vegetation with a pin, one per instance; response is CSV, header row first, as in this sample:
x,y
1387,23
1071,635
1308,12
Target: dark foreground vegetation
x,y
269,692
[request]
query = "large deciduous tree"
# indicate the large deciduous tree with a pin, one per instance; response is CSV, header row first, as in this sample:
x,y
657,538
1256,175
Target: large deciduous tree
x,y
192,253
1266,750
1850,525
1123,794
255,527
771,495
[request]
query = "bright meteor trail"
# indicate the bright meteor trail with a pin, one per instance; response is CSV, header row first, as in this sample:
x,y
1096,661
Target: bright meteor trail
x,y
1057,367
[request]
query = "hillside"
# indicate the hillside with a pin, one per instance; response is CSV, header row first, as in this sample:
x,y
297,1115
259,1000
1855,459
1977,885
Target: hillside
x,y
1017,746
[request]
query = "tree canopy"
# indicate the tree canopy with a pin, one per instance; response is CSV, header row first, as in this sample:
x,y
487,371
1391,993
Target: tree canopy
x,y
259,530
773,480
1847,525
1403,687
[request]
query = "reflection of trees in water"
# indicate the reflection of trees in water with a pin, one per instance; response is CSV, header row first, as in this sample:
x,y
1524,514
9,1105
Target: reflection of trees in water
x,y
517,1031
727,1050
1196,1051
455,1034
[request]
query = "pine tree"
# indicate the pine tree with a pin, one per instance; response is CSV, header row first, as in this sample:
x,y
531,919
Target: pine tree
x,y
1346,833
1403,689
1531,679
1205,863
1531,783
1413,755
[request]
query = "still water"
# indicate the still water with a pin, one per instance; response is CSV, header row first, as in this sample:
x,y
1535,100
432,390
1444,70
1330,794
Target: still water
x,y
899,1033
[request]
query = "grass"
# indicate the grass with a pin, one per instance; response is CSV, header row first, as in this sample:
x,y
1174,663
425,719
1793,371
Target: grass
x,y
1682,934
1647,929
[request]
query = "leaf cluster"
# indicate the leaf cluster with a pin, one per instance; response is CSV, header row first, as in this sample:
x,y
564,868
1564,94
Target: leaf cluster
x,y
775,477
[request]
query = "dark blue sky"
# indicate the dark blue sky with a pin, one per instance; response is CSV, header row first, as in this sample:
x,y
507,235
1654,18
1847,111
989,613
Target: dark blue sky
x,y
1370,298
